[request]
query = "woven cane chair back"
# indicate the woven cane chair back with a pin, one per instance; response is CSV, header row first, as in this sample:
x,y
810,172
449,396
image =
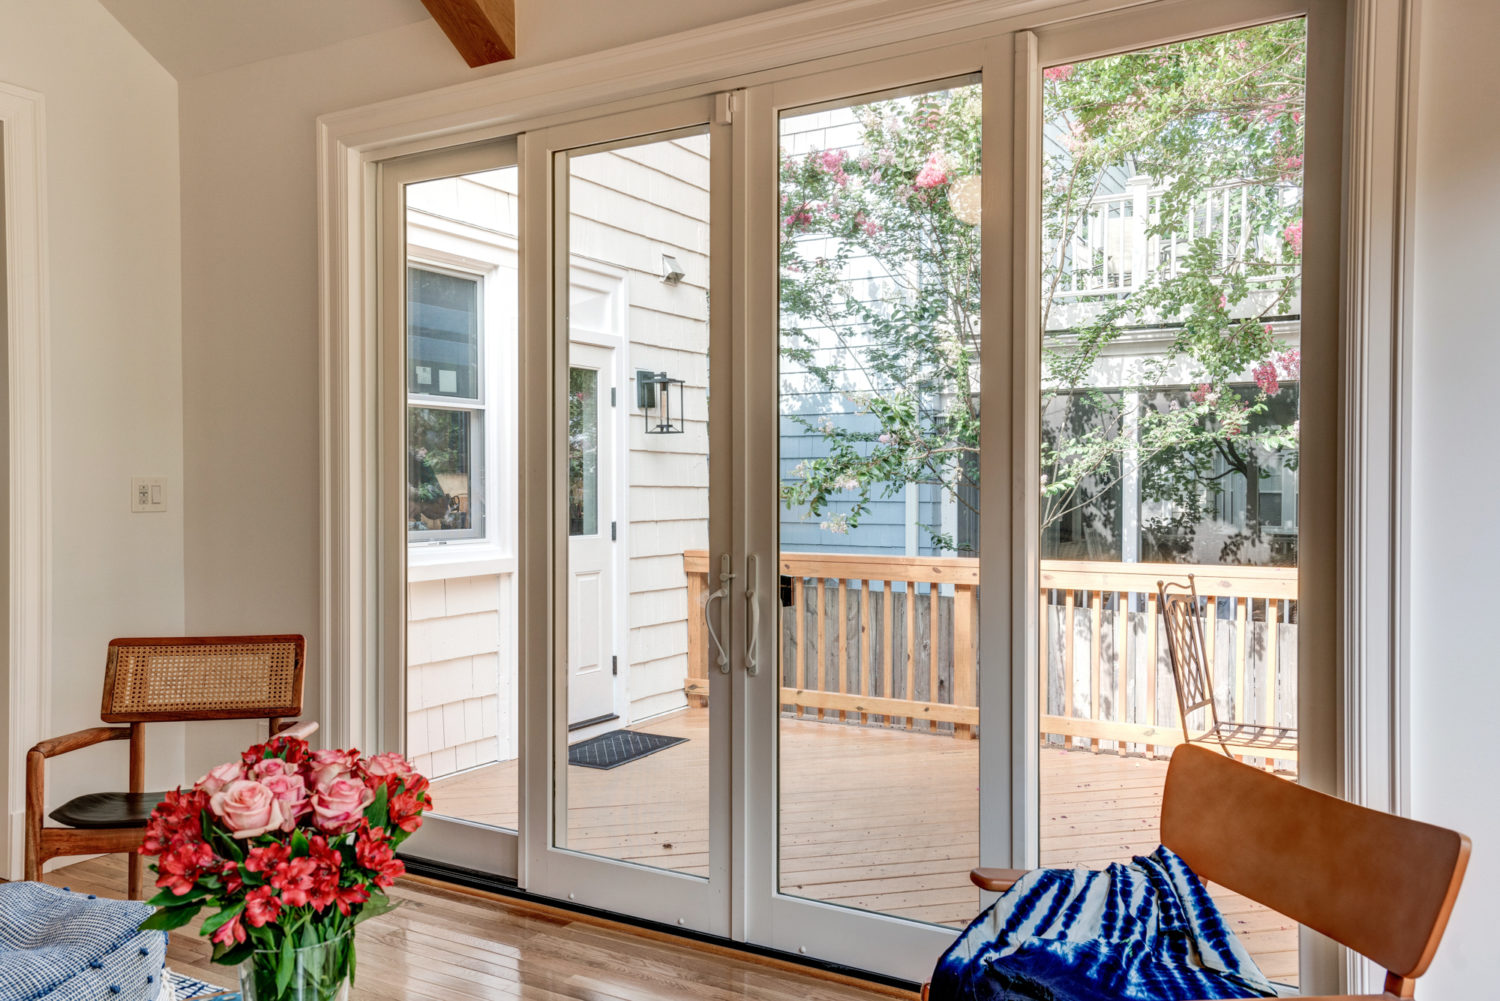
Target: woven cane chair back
x,y
1180,607
200,678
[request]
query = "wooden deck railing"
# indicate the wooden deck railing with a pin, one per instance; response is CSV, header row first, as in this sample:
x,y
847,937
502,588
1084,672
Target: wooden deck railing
x,y
893,641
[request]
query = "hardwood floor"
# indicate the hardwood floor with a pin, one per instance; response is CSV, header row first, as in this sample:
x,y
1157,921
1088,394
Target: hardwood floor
x,y
884,820
443,944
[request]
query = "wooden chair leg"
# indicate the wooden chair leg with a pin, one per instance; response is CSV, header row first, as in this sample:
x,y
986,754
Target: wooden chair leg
x,y
134,890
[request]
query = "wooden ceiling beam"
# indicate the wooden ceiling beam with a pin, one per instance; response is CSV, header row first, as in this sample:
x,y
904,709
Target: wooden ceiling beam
x,y
483,31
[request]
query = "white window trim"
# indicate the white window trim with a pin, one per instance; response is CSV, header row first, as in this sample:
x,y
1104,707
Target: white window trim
x,y
1373,579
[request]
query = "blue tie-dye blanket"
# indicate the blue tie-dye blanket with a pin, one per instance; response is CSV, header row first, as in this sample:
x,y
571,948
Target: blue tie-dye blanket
x,y
1147,931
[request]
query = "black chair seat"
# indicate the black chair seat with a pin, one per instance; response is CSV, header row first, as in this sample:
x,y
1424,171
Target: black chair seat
x,y
108,809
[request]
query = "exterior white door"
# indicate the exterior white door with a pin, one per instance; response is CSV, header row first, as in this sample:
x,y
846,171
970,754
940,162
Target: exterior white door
x,y
592,536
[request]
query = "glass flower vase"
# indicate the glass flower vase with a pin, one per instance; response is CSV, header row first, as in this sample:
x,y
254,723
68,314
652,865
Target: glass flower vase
x,y
317,972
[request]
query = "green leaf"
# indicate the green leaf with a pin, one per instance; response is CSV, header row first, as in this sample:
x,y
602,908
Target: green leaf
x,y
299,844
378,812
214,922
167,918
286,963
232,955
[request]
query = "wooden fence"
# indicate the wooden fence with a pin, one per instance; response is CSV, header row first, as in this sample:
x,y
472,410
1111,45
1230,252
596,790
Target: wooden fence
x,y
893,642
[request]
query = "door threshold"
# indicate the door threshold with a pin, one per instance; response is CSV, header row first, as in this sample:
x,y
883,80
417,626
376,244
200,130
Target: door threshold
x,y
485,885
595,721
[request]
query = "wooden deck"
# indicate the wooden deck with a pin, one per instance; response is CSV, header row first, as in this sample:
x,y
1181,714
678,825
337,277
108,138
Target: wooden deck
x,y
885,820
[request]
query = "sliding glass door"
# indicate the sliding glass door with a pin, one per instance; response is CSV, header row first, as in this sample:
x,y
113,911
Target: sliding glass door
x,y
635,761
450,312
709,617
861,447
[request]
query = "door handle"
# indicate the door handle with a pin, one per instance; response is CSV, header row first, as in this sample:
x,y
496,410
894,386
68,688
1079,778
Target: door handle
x,y
725,576
752,601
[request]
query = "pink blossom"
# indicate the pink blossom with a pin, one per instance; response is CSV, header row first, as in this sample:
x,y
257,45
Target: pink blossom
x,y
1290,167
1057,74
1201,393
1290,364
1223,301
1265,378
1293,234
932,174
830,159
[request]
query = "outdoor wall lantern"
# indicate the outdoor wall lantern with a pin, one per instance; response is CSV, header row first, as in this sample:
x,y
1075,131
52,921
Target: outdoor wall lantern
x,y
660,398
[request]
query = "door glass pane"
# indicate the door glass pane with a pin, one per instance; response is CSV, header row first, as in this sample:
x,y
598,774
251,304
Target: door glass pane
x,y
461,691
1171,305
879,488
637,772
583,451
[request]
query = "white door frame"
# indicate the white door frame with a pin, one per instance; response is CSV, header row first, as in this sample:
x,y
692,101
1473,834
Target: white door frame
x,y
451,840
654,894
26,703
860,939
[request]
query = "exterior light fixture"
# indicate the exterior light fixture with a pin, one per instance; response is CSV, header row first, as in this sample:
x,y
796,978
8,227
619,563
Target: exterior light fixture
x,y
964,197
660,398
671,270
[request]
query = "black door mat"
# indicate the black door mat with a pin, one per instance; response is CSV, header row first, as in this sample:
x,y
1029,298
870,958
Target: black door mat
x,y
613,749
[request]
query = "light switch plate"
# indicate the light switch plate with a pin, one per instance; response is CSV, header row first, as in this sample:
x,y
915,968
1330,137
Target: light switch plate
x,y
148,494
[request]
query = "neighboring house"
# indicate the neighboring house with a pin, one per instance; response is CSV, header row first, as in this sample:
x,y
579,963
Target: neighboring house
x,y
636,501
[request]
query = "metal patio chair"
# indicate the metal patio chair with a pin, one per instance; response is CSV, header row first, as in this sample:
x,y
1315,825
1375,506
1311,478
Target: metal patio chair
x,y
1182,611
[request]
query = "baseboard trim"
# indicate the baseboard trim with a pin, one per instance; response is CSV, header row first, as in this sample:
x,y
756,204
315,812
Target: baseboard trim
x,y
482,884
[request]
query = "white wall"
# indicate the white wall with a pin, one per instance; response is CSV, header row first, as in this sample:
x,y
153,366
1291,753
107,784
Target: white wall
x,y
113,249
1455,476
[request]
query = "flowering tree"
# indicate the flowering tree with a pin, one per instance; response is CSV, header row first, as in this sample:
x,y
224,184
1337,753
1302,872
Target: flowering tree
x,y
1196,118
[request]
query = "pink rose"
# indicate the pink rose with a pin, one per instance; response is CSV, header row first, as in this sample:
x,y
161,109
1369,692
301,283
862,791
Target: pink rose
x,y
220,776
330,764
387,764
248,808
339,805
291,792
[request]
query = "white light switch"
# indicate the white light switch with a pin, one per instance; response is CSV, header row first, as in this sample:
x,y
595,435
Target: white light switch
x,y
148,494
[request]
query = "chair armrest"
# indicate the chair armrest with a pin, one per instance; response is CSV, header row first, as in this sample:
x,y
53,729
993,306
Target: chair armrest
x,y
995,879
82,738
302,730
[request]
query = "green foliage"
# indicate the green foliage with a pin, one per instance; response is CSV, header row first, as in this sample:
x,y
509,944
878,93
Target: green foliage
x,y
899,355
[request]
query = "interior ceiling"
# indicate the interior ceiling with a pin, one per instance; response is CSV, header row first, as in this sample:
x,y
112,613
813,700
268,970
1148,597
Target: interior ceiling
x,y
194,37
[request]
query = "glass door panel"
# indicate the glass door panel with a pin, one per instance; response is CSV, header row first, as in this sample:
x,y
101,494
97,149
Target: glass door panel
x,y
638,742
879,488
1171,330
451,276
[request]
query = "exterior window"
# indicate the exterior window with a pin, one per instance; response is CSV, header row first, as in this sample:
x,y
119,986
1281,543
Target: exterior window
x,y
445,407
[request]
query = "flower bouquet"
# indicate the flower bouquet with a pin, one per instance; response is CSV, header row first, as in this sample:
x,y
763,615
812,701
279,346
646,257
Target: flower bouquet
x,y
292,848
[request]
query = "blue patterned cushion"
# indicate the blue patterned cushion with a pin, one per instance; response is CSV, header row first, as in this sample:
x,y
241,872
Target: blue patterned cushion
x,y
1147,931
62,946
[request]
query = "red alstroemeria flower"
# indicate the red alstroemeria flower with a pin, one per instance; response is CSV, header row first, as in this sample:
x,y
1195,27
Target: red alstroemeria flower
x,y
373,852
406,810
349,895
230,878
229,931
261,906
294,878
176,820
266,857
181,866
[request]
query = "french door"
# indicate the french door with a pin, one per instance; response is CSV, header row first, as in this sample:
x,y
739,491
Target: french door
x,y
780,663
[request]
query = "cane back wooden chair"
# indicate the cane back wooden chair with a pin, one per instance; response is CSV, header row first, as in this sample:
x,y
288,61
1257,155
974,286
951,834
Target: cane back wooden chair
x,y
156,680
1181,610
1376,883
